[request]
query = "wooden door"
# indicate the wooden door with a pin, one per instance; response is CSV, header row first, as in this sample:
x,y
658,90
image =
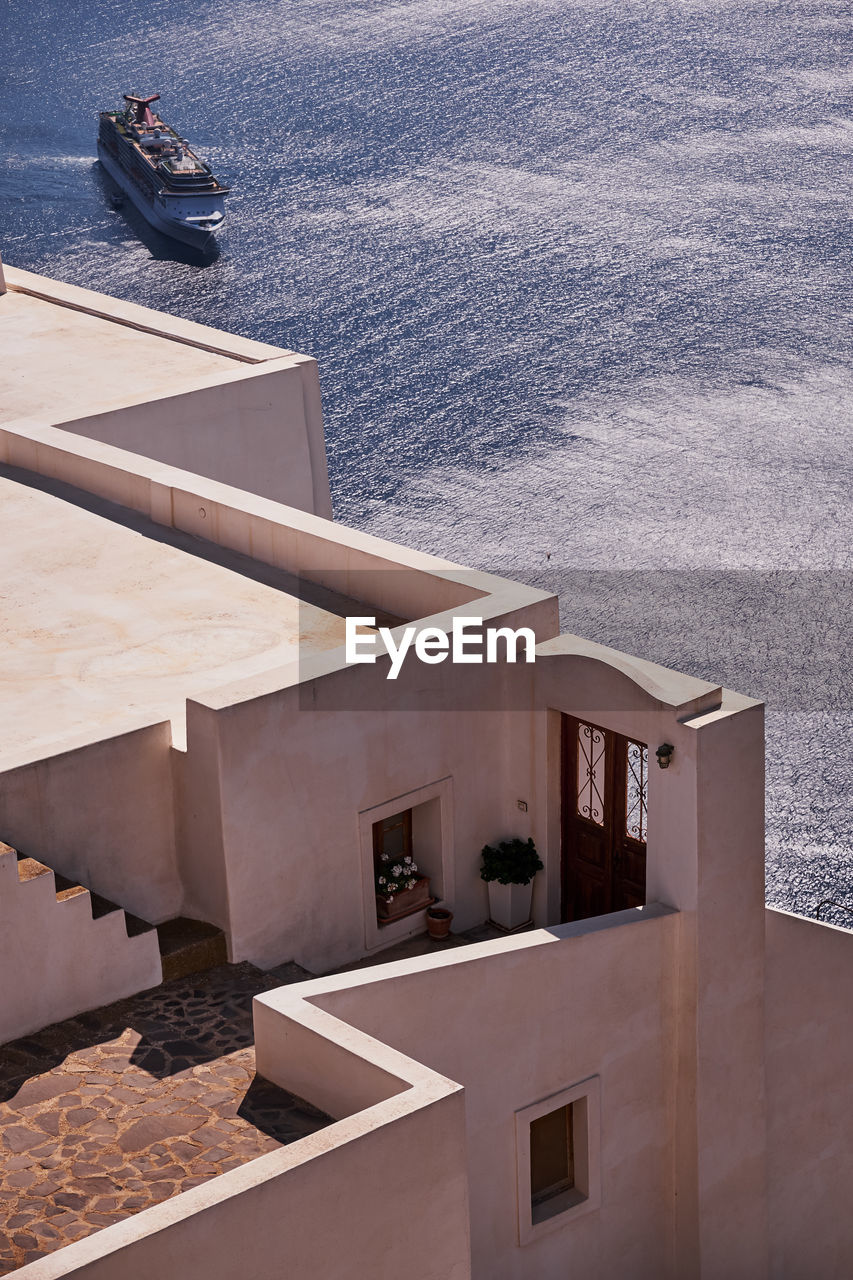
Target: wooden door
x,y
604,820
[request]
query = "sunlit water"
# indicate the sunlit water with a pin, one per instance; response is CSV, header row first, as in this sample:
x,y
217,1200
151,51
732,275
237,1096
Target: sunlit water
x,y
578,280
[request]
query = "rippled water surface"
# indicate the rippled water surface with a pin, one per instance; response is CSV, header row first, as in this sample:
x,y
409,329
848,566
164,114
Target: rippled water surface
x,y
578,279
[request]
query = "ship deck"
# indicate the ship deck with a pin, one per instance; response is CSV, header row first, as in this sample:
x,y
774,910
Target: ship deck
x,y
152,160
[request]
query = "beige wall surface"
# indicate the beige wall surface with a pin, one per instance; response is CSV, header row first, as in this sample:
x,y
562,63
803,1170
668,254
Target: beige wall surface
x,y
56,357
56,960
295,770
107,622
809,1097
103,815
292,785
706,858
241,412
259,429
515,1022
729,976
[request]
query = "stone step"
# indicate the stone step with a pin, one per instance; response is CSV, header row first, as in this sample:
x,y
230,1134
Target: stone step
x,y
186,946
189,946
29,868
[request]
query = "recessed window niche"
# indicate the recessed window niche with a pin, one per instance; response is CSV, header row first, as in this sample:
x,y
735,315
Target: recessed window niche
x,y
557,1159
417,825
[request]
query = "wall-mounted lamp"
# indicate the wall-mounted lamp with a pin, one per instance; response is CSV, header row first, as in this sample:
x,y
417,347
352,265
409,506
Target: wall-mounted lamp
x,y
664,754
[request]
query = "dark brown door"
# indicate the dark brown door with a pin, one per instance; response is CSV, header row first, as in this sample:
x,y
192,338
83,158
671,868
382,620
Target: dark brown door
x,y
604,820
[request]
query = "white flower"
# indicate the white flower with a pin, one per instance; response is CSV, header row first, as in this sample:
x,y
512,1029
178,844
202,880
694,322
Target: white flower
x,y
397,871
381,879
410,884
407,859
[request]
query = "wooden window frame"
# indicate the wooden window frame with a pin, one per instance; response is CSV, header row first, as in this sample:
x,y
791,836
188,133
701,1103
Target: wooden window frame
x,y
378,834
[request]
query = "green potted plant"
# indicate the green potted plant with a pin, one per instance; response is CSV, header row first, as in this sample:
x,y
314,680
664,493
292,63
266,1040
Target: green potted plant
x,y
508,869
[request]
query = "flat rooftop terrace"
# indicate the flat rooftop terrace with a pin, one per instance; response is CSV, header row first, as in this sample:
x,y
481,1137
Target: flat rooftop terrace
x,y
59,363
114,1111
111,622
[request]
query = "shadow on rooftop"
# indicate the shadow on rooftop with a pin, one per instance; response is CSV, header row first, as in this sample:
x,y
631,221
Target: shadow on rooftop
x,y
326,598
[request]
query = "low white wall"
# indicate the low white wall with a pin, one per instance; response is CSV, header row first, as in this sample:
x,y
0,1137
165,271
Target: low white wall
x,y
259,429
292,786
517,1021
809,1037
410,584
102,815
379,1195
56,961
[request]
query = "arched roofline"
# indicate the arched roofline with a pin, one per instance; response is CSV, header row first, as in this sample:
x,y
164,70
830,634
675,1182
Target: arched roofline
x,y
685,695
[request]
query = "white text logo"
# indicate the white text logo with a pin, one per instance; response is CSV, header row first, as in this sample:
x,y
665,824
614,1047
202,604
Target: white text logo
x,y
467,642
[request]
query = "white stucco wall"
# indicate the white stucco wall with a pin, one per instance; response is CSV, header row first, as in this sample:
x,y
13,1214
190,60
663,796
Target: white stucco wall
x,y
296,773
231,409
259,429
380,1194
809,1097
515,1022
102,814
56,960
706,858
292,786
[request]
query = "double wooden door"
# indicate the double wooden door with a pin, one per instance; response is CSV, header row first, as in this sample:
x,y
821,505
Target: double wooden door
x,y
604,804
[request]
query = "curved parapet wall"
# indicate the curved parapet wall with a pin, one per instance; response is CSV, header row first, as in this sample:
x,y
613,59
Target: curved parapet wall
x,y
594,664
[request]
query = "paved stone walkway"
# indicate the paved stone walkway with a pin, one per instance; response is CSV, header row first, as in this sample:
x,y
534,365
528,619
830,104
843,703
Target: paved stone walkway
x,y
116,1110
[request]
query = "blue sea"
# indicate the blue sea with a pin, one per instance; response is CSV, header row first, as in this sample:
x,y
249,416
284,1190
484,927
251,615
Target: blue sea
x,y
578,278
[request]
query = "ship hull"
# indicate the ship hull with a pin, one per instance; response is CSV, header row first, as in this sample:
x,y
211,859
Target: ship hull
x,y
166,214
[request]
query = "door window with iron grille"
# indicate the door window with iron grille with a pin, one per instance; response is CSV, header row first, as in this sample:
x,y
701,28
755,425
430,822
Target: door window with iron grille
x,y
604,820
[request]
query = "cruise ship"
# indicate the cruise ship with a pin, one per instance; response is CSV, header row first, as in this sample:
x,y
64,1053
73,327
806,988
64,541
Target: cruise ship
x,y
155,167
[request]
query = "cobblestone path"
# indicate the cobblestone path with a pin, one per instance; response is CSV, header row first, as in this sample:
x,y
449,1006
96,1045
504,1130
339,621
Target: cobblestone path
x,y
116,1110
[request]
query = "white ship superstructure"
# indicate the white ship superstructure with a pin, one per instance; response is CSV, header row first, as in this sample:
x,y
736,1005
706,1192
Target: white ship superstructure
x,y
156,168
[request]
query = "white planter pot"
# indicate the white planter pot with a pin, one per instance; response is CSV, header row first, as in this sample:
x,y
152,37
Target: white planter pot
x,y
509,904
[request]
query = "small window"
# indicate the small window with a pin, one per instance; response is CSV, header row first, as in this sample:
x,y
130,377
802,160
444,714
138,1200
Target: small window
x,y
401,886
412,839
392,837
557,1145
552,1158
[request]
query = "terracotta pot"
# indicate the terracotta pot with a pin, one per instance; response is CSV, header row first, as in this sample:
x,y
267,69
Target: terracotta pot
x,y
438,921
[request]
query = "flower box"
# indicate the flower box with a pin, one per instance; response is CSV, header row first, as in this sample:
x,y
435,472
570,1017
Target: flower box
x,y
404,902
